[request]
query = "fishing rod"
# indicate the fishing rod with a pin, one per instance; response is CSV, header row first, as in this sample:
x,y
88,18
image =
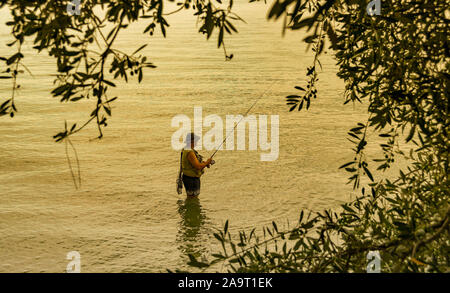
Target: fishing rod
x,y
243,116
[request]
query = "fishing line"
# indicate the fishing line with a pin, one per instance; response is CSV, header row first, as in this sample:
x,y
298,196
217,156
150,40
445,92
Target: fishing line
x,y
242,118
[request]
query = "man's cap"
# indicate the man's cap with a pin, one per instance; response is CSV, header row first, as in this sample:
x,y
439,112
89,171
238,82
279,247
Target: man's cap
x,y
191,137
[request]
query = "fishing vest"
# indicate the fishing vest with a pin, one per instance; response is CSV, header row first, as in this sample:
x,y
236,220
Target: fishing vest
x,y
187,167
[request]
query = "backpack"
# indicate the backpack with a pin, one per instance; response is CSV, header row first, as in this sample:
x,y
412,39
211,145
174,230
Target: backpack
x,y
179,179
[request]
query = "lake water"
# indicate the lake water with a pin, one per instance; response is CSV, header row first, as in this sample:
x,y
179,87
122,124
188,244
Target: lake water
x,y
127,217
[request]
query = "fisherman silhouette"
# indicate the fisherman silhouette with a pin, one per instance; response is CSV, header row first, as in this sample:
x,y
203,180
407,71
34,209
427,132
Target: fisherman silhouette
x,y
191,167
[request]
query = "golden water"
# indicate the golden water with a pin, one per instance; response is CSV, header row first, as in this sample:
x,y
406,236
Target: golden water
x,y
127,217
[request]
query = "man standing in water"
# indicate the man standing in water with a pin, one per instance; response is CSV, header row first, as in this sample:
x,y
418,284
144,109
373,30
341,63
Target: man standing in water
x,y
192,166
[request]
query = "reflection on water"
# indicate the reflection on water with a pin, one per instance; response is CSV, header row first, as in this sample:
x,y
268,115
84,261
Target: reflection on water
x,y
191,233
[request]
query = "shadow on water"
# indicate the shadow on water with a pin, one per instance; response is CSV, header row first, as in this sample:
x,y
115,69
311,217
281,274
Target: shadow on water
x,y
192,237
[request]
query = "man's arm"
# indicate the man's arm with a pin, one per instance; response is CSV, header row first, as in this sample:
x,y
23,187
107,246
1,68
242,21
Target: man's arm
x,y
197,165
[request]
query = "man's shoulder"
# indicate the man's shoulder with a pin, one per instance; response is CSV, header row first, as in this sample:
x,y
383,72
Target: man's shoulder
x,y
189,152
